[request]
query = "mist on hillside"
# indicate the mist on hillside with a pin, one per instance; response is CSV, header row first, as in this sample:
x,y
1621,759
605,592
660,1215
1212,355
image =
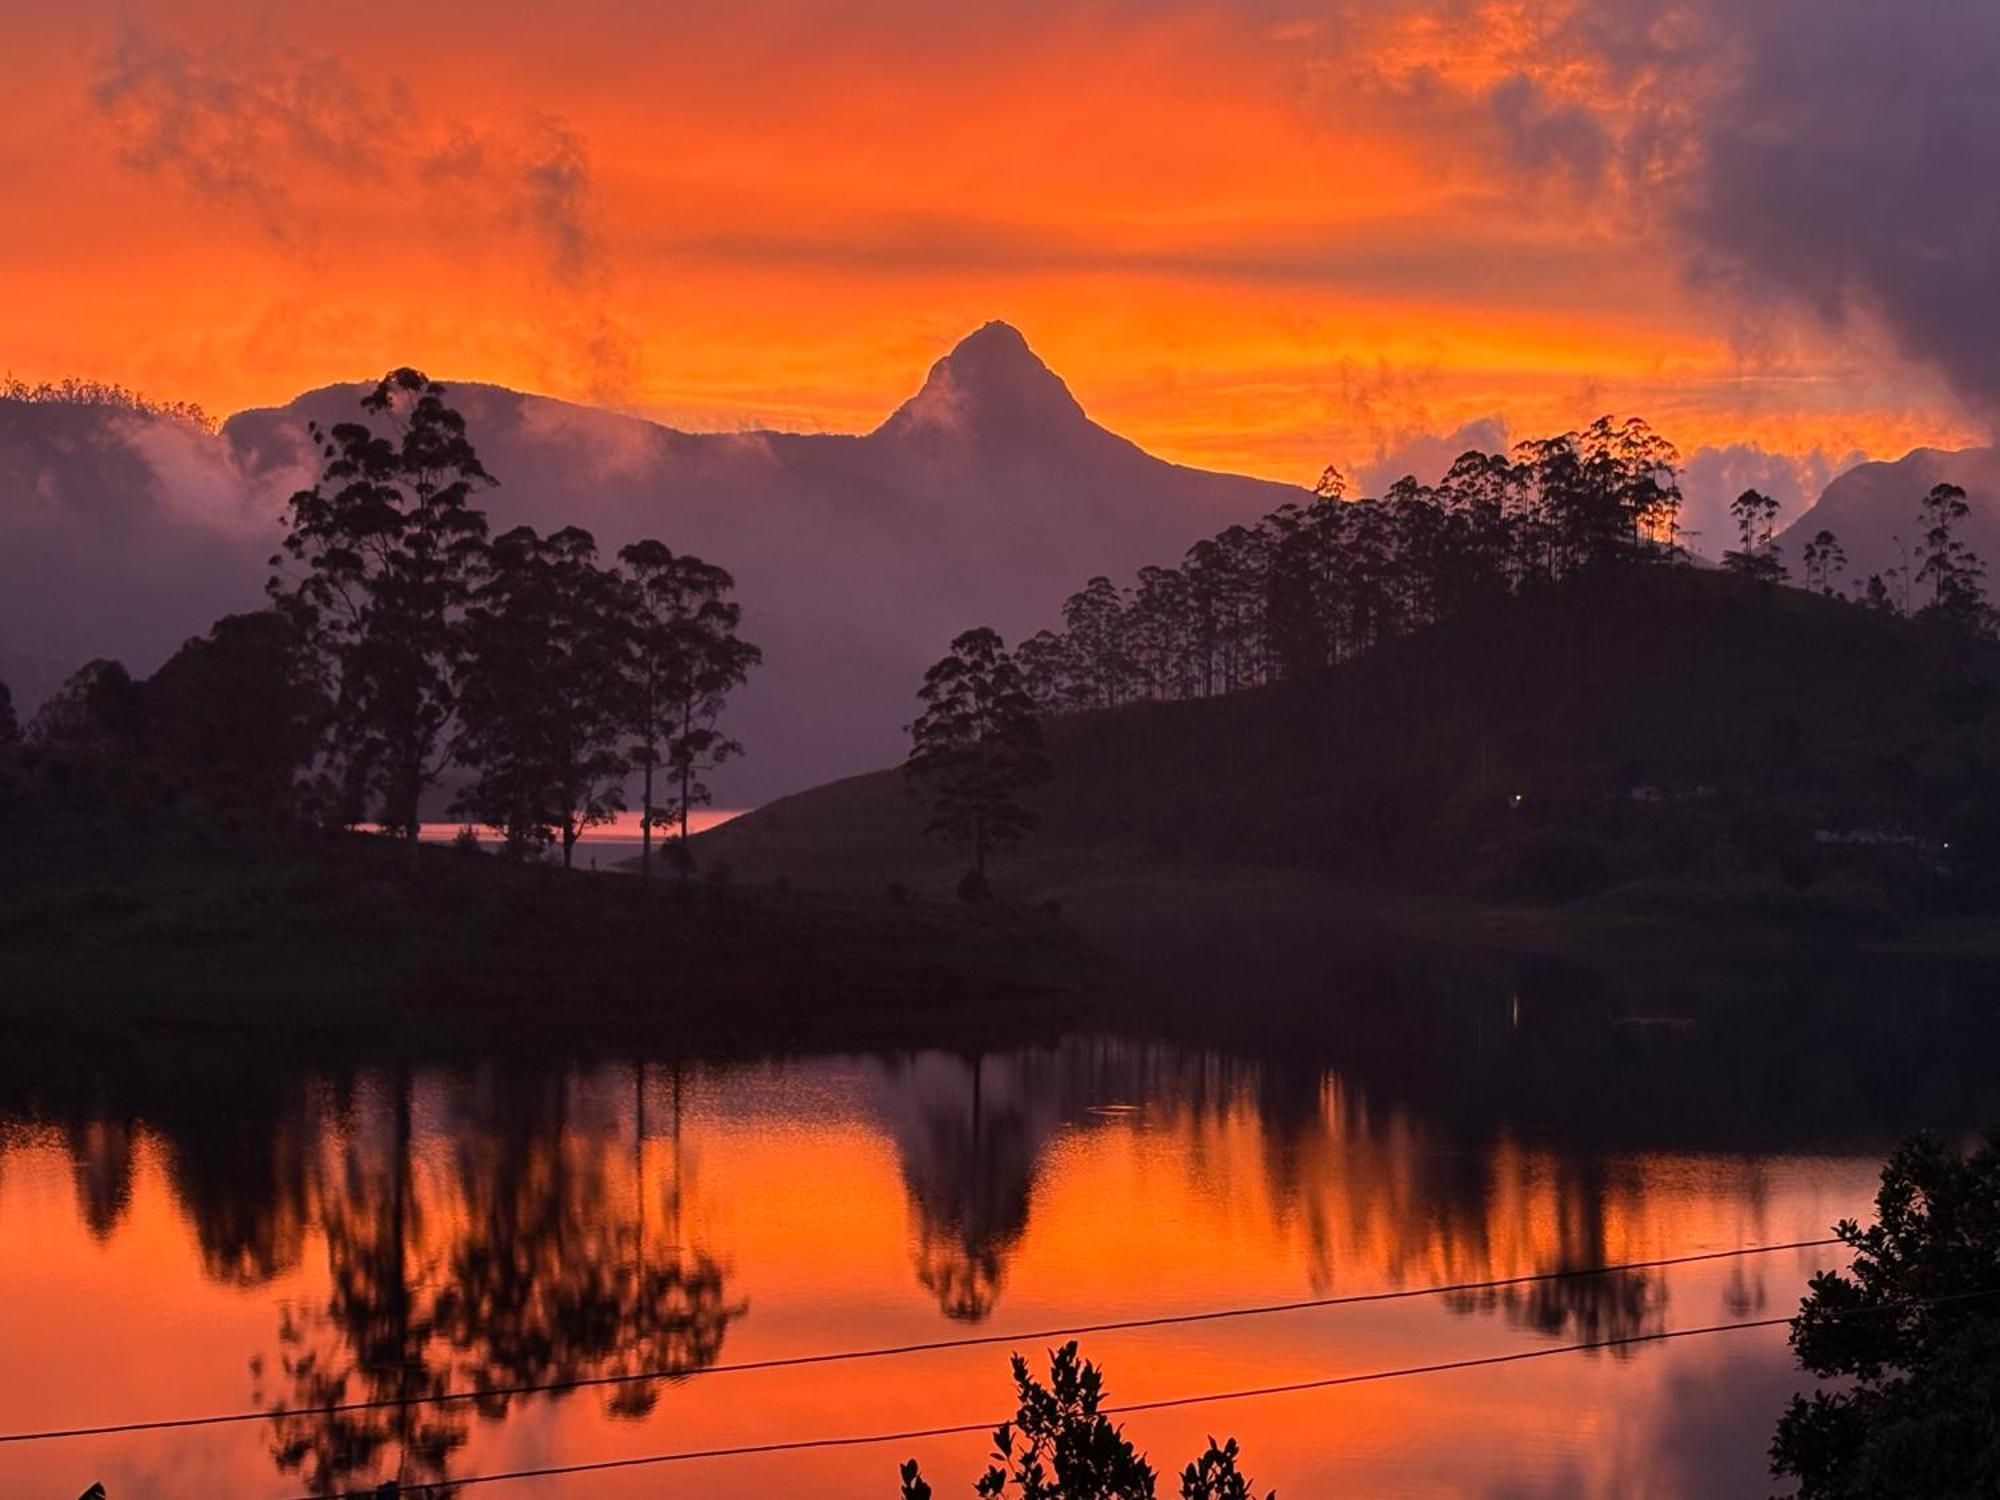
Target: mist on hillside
x,y
989,495
985,496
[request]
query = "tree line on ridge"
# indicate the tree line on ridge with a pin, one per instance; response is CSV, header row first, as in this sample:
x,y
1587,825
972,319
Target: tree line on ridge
x,y
1311,586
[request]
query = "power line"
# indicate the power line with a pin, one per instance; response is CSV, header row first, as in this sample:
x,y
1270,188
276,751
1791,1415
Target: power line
x,y
1251,1393
963,1429
796,1361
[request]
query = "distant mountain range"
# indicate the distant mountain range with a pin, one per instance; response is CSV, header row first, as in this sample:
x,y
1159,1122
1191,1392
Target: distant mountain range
x,y
984,499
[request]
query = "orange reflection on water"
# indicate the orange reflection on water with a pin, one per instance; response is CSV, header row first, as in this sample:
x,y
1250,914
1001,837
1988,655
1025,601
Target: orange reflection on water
x,y
398,1234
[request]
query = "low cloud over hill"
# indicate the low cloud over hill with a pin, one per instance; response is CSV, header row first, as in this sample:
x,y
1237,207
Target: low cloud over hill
x,y
984,499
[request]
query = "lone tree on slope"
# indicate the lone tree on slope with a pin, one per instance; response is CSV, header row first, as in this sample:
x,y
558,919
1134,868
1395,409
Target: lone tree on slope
x,y
975,748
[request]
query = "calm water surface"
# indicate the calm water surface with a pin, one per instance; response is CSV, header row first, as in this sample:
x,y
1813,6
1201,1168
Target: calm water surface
x,y
179,1239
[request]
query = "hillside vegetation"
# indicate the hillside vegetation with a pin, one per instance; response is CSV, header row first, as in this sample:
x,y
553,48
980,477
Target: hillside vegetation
x,y
1683,740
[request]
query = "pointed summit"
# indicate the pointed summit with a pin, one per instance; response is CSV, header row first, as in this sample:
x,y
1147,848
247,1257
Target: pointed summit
x,y
991,386
994,359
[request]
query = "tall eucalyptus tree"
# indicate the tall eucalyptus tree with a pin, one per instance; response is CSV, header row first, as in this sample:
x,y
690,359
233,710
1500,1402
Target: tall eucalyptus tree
x,y
389,548
684,658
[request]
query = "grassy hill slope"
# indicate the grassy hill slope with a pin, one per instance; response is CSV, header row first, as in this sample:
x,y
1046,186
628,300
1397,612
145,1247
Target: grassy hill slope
x,y
1668,736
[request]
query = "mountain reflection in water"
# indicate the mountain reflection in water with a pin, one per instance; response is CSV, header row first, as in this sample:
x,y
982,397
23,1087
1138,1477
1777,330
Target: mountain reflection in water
x,y
231,1234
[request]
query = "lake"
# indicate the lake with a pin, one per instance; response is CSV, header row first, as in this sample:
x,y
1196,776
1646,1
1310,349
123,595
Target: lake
x,y
199,1231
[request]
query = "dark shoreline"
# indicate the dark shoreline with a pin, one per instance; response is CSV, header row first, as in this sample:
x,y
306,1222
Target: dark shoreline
x,y
340,945
337,938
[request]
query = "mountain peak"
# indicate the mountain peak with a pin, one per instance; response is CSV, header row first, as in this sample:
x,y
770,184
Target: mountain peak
x,y
994,343
990,385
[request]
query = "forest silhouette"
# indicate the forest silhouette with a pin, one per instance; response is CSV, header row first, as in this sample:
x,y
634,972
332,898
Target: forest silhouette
x,y
1310,587
402,642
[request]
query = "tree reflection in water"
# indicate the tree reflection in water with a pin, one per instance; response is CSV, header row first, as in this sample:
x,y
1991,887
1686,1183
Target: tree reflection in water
x,y
970,1147
1572,1304
1363,1181
101,1164
494,1226
534,1269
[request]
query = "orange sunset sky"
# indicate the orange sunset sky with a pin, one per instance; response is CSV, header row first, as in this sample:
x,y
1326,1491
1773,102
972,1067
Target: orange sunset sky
x,y
1261,236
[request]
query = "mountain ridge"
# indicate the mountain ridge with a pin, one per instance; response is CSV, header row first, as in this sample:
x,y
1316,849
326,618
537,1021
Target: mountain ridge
x,y
1872,509
986,497
988,364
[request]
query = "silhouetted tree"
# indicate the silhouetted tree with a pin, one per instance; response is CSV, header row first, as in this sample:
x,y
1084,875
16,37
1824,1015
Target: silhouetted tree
x,y
541,701
72,391
10,726
1605,492
1044,663
1824,558
1226,592
1214,1476
684,659
234,717
1956,576
1295,609
1156,617
1096,621
1756,556
1912,1332
975,748
392,548
97,712
1060,1446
